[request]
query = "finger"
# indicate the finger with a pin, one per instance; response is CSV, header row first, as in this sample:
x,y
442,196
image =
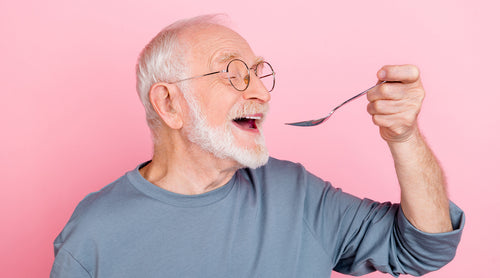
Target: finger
x,y
383,120
396,122
388,107
389,91
401,73
392,130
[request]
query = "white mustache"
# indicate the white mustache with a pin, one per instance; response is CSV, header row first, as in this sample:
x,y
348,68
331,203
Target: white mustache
x,y
248,108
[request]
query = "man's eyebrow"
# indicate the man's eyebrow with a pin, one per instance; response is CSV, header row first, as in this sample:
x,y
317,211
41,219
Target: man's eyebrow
x,y
258,60
226,57
229,56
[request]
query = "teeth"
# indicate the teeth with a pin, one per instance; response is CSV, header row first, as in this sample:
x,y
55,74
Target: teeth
x,y
253,118
248,118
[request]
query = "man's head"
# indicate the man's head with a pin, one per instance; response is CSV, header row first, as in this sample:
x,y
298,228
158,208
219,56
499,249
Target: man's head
x,y
212,114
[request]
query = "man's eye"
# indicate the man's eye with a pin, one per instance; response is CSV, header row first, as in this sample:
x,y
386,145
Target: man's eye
x,y
258,69
226,75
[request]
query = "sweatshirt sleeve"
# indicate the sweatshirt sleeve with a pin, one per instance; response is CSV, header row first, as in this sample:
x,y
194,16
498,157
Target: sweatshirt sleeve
x,y
362,236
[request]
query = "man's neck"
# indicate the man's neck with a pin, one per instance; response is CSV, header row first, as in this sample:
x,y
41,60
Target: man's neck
x,y
188,170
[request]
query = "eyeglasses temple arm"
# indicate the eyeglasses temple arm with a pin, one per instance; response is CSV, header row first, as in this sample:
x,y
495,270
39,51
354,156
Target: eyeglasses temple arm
x,y
198,76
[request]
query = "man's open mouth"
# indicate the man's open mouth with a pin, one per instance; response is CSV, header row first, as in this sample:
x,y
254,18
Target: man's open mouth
x,y
248,122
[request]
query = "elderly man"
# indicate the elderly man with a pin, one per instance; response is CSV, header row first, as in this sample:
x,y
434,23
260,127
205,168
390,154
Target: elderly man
x,y
210,203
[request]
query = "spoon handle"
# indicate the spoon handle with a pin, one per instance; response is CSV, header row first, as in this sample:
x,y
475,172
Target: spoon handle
x,y
322,120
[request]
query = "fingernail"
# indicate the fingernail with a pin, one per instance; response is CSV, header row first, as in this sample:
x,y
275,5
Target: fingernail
x,y
381,74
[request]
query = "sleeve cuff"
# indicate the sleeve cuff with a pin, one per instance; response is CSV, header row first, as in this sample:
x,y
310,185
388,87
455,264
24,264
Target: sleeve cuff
x,y
436,249
457,222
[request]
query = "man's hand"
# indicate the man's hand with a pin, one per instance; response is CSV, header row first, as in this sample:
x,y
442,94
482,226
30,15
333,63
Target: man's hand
x,y
395,105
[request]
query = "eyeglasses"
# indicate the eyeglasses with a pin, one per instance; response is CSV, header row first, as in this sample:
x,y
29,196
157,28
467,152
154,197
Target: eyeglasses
x,y
238,74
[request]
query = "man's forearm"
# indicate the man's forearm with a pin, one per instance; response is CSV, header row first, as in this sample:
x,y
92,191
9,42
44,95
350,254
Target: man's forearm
x,y
423,186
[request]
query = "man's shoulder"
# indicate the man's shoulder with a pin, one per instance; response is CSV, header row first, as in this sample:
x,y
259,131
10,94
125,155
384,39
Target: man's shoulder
x,y
284,173
100,208
281,166
107,197
285,169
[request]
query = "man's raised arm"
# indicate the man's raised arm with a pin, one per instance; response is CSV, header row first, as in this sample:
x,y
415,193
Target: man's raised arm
x,y
394,107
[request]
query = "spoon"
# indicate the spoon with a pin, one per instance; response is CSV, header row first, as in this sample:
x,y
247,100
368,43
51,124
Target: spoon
x,y
322,120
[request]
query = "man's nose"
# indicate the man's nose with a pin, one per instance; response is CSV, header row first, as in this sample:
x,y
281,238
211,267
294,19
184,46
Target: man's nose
x,y
257,90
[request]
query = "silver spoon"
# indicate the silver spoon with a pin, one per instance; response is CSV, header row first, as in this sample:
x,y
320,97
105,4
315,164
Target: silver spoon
x,y
322,120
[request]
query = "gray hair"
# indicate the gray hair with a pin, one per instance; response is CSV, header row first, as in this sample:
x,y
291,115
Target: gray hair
x,y
163,60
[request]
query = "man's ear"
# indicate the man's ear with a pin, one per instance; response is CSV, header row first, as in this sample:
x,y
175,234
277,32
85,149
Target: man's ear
x,y
165,99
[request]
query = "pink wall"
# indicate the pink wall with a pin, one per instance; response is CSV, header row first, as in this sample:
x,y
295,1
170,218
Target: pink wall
x,y
71,122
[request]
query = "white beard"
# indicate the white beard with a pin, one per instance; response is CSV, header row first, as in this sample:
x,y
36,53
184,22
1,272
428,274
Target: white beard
x,y
220,140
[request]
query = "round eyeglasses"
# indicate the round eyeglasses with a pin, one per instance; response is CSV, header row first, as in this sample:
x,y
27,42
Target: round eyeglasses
x,y
238,74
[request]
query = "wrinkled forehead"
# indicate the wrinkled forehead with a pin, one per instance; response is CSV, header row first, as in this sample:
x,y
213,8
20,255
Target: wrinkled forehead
x,y
211,46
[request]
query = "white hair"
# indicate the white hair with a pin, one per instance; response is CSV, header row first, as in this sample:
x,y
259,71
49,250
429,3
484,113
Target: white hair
x,y
163,60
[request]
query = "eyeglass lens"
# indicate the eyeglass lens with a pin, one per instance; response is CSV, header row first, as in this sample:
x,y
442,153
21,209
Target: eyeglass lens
x,y
239,78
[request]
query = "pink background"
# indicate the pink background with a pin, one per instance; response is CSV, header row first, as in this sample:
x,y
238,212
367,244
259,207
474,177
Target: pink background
x,y
71,121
